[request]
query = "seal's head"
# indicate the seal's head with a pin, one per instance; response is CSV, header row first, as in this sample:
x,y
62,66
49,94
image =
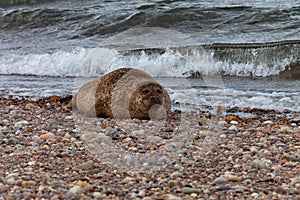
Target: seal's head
x,y
149,101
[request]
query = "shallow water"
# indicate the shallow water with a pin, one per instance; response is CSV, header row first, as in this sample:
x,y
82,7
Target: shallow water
x,y
197,94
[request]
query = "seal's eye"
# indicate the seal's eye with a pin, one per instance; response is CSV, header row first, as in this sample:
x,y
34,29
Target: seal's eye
x,y
145,91
159,91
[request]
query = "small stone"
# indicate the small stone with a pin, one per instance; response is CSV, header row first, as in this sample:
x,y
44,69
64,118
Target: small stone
x,y
232,178
290,158
233,122
257,164
176,174
154,139
36,139
29,106
48,136
204,121
170,197
111,131
268,122
3,111
97,195
86,165
227,132
233,128
134,149
54,122
125,181
22,123
70,117
3,188
189,190
254,195
222,123
173,183
284,129
84,185
224,187
128,139
31,163
295,180
89,136
220,180
28,183
293,124
253,150
239,188
75,189
13,141
230,118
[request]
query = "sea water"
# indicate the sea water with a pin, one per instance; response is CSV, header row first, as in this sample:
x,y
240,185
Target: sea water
x,y
229,53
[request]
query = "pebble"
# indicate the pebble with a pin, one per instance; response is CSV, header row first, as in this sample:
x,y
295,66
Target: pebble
x,y
98,195
176,174
75,189
3,188
220,180
22,123
28,183
233,122
35,168
232,178
84,185
70,117
295,180
227,132
233,128
154,139
36,139
254,195
86,165
268,122
170,197
293,124
111,131
222,123
89,136
189,190
224,187
258,164
48,136
55,123
13,141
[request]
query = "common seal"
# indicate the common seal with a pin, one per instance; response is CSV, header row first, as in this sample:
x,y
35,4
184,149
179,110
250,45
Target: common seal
x,y
123,93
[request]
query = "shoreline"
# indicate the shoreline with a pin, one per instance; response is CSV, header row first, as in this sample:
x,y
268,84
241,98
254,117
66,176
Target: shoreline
x,y
48,152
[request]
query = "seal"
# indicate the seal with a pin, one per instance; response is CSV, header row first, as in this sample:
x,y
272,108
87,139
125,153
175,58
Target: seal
x,y
123,93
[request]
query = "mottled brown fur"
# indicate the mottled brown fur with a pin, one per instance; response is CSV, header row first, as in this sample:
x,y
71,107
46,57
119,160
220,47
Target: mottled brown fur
x,y
123,93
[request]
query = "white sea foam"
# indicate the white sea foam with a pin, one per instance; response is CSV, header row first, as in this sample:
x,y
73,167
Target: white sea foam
x,y
92,62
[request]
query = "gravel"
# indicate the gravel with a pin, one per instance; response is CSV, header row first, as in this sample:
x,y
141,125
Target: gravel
x,y
52,153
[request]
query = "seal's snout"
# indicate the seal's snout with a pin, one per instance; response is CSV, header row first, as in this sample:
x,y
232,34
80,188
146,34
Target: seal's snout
x,y
155,100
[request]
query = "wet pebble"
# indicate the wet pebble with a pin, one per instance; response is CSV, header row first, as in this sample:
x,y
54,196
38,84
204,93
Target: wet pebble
x,y
189,190
86,165
170,197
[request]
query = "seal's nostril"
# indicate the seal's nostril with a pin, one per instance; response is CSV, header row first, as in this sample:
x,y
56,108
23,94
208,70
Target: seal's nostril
x,y
155,99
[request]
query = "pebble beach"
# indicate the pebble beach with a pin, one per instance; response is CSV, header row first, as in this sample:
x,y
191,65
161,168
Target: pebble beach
x,y
48,152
